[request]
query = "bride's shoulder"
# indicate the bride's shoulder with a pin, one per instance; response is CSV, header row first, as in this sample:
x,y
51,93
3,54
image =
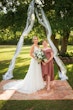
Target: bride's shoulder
x,y
32,47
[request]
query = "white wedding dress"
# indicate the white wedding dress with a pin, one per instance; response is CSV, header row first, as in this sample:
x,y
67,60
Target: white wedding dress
x,y
32,82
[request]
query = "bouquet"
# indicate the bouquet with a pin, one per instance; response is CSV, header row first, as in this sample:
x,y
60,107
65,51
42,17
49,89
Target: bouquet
x,y
40,56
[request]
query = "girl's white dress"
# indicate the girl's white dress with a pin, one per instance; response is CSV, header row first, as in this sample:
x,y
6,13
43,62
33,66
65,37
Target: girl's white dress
x,y
32,82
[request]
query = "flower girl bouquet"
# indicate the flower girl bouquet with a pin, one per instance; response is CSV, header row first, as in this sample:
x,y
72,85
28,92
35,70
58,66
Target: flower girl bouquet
x,y
40,56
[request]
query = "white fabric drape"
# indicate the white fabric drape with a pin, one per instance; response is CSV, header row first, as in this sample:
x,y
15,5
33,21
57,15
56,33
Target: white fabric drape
x,y
28,28
45,22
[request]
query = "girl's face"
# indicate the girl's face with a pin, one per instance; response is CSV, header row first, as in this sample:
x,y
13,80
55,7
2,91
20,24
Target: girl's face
x,y
35,40
44,43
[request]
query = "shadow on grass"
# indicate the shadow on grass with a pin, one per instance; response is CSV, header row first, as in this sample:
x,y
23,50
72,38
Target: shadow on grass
x,y
13,51
56,72
3,67
25,52
19,71
37,105
9,51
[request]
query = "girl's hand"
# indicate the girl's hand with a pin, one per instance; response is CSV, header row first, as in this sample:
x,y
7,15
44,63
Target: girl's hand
x,y
47,62
43,63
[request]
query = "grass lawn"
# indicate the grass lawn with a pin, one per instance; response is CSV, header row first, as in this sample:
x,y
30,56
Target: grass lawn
x,y
21,67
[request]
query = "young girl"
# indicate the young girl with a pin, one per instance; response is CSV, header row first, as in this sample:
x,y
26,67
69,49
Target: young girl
x,y
47,67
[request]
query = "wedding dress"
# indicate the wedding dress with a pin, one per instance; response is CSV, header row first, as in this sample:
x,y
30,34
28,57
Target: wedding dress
x,y
32,82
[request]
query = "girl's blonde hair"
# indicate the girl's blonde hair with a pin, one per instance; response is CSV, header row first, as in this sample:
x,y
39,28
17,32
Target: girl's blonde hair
x,y
45,40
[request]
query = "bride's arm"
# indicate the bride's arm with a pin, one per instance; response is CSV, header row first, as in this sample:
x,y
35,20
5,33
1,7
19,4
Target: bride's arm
x,y
32,51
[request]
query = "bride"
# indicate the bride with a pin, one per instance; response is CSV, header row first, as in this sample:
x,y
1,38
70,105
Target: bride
x,y
33,80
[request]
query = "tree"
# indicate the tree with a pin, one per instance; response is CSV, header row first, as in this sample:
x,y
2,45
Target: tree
x,y
59,12
11,5
61,19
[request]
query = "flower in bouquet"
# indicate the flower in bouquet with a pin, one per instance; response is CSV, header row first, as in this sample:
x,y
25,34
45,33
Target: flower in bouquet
x,y
44,59
40,56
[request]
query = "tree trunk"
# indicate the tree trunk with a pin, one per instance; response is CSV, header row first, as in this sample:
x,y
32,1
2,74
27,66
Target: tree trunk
x,y
55,41
64,43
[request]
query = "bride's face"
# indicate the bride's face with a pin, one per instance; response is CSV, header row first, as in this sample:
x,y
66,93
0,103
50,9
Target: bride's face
x,y
35,40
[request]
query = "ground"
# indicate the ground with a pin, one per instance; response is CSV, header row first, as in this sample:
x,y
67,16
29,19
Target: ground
x,y
60,90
